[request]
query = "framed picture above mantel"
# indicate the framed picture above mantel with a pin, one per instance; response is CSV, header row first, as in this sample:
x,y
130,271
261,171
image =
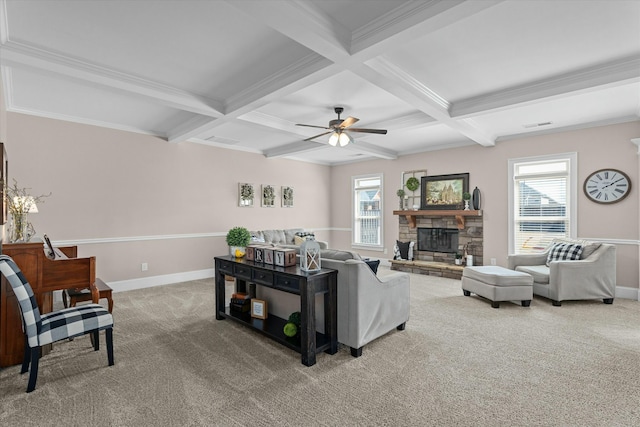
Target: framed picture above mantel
x,y
443,191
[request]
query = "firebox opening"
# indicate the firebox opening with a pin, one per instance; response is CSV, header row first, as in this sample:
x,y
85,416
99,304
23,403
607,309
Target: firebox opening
x,y
438,240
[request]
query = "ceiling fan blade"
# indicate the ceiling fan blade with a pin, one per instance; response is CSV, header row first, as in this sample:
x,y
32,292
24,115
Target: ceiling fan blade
x,y
320,134
312,126
378,131
348,122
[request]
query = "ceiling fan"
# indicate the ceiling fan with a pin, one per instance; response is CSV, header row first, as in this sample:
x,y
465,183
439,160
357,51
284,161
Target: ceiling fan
x,y
337,128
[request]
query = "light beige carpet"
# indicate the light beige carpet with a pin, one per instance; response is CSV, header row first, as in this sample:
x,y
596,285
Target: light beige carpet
x,y
458,363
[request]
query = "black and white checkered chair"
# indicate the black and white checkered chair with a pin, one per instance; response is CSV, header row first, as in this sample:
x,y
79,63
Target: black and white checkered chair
x,y
55,326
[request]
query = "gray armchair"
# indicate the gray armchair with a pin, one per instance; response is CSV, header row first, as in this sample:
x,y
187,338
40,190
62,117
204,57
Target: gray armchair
x,y
593,276
368,306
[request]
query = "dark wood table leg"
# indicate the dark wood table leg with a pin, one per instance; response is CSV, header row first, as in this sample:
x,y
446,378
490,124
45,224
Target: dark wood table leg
x,y
308,323
331,314
220,293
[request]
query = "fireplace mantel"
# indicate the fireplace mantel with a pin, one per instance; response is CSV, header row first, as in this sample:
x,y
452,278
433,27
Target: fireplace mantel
x,y
458,214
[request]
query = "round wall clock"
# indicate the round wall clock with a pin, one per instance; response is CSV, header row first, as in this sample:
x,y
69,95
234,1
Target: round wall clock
x,y
607,186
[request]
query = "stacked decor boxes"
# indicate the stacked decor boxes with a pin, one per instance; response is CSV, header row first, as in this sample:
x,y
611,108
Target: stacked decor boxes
x,y
240,302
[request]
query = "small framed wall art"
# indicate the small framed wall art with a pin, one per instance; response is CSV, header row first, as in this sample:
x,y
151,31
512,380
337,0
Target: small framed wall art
x,y
258,308
245,195
287,197
268,196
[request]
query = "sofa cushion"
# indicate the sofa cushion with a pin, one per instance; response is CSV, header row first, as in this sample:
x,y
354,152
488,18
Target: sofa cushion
x,y
403,250
301,236
373,264
257,237
275,236
588,247
339,255
564,251
540,273
291,233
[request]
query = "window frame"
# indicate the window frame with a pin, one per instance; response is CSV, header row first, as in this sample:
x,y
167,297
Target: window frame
x,y
572,197
354,181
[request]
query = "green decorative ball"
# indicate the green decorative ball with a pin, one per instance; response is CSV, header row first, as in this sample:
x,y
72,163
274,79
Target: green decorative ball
x,y
295,318
290,329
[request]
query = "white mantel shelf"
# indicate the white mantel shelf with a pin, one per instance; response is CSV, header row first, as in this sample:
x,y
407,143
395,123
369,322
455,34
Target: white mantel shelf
x,y
458,214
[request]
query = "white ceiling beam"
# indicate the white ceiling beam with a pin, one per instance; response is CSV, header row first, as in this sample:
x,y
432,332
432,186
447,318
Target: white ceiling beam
x,y
297,147
363,147
309,26
400,83
303,22
621,71
409,21
23,56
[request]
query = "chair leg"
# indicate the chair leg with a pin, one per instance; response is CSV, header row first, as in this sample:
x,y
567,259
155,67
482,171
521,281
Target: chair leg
x,y
356,352
33,375
64,298
27,356
109,336
402,326
95,340
556,303
608,300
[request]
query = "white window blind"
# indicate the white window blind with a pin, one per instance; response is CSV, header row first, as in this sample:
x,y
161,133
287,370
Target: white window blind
x,y
541,208
367,210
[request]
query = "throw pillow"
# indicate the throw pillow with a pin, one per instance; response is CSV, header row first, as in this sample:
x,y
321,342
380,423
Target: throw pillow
x,y
373,264
403,250
564,251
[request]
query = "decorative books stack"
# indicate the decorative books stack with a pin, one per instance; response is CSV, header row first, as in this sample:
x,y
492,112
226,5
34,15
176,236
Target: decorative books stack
x,y
240,302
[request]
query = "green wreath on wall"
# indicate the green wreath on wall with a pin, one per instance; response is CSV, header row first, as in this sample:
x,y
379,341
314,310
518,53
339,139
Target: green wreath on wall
x,y
413,183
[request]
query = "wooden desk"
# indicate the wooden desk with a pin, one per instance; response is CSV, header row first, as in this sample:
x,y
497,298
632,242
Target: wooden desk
x,y
286,279
75,295
44,276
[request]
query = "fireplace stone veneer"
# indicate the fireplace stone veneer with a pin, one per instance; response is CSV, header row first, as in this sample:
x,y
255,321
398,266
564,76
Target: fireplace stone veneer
x,y
440,263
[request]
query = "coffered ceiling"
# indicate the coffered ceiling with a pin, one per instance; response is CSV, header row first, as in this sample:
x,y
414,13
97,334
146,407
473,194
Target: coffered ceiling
x,y
241,73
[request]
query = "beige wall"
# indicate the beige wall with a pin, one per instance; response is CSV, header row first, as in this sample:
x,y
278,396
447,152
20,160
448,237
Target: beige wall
x,y
123,189
597,148
122,195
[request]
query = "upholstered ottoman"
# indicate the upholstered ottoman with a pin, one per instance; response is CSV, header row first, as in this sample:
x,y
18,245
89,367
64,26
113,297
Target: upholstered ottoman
x,y
497,284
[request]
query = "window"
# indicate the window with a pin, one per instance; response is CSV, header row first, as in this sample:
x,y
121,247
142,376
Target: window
x,y
542,200
367,211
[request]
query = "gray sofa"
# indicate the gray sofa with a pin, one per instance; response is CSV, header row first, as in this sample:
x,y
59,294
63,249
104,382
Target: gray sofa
x,y
285,238
368,306
593,276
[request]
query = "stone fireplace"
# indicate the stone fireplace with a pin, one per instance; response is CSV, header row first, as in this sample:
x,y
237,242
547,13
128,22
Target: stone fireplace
x,y
439,259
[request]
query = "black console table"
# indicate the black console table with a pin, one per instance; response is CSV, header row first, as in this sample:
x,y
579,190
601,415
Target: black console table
x,y
287,279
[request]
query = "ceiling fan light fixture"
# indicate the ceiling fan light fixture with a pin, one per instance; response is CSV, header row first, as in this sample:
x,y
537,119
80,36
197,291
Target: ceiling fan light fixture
x,y
344,139
333,139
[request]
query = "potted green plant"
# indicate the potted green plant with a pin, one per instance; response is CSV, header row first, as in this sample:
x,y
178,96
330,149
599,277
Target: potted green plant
x,y
400,193
466,196
238,238
458,258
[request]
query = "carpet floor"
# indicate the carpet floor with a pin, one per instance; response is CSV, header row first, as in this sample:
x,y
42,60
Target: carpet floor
x,y
458,363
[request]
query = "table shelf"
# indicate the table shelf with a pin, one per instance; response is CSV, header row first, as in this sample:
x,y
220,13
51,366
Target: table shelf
x,y
272,327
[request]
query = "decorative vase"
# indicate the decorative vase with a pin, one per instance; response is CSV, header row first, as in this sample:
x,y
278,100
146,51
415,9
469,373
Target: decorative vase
x,y
20,230
466,205
476,199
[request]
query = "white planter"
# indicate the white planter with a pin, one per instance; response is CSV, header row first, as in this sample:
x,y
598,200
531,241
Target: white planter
x,y
237,250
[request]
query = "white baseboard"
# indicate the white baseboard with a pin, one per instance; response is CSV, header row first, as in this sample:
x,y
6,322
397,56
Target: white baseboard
x,y
148,282
167,279
628,293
